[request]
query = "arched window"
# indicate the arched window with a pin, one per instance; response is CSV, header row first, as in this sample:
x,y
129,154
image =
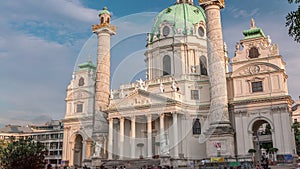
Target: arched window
x,y
201,31
107,20
81,81
166,65
166,30
253,53
203,65
102,20
196,127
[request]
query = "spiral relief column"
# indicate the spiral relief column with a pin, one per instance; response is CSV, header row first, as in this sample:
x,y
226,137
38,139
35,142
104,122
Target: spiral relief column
x,y
104,31
220,131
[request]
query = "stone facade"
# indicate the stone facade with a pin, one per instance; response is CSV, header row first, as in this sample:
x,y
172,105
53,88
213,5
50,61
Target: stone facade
x,y
190,107
78,121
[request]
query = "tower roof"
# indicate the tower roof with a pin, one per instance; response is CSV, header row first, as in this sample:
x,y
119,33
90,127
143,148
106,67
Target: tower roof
x,y
104,11
87,66
181,16
253,32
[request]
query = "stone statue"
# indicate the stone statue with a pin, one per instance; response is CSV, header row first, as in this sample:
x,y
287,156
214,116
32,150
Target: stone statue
x,y
164,144
269,40
173,85
141,84
193,69
253,23
161,88
225,47
111,94
98,148
237,46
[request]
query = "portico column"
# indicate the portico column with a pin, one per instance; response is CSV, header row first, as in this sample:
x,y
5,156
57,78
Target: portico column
x,y
161,132
175,133
110,138
121,137
84,149
133,137
149,135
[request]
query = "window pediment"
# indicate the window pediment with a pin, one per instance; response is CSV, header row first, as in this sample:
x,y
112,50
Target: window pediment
x,y
255,68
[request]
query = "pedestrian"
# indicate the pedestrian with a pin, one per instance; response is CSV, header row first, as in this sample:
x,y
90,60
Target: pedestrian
x,y
49,166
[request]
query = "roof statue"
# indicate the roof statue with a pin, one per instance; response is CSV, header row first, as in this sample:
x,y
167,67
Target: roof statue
x,y
253,23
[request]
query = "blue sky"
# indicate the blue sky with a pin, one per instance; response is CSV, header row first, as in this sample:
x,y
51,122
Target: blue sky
x,y
41,41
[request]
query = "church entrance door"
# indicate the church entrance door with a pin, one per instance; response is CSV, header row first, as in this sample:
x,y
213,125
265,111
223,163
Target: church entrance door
x,y
262,139
78,151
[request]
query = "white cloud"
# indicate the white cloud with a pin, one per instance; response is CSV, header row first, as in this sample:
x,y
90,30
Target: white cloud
x,y
242,13
46,10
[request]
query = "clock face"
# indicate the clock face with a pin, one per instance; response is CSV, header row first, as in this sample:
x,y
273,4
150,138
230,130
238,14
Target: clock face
x,y
81,81
166,31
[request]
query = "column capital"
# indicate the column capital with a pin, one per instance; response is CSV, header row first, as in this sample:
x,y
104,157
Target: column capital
x,y
205,3
149,117
174,113
131,116
67,127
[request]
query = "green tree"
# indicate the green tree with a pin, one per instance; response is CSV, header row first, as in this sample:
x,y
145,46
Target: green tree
x,y
293,22
22,154
296,126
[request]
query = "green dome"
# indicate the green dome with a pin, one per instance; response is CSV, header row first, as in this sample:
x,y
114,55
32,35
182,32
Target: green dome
x,y
181,16
104,11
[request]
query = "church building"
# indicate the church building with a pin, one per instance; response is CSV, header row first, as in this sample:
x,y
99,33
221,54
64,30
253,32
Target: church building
x,y
190,107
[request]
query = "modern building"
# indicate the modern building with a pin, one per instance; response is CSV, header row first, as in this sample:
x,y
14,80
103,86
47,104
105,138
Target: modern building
x,y
190,107
50,134
296,111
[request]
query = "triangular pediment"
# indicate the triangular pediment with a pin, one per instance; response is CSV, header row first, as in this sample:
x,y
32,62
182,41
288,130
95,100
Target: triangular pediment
x,y
141,98
255,68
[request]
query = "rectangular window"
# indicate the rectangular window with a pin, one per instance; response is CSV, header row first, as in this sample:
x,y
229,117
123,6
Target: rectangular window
x,y
153,124
195,94
79,108
257,86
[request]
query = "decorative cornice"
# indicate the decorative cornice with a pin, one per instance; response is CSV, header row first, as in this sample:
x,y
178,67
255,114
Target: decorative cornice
x,y
205,3
104,25
286,98
77,119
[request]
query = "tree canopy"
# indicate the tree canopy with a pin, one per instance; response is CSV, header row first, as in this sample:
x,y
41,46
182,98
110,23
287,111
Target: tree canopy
x,y
293,22
296,126
22,154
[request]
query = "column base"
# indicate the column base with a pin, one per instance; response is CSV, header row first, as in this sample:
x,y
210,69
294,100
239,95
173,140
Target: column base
x,y
87,162
165,160
96,162
220,144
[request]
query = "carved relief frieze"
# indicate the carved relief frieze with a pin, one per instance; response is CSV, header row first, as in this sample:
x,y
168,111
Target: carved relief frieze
x,y
241,113
140,101
256,69
278,109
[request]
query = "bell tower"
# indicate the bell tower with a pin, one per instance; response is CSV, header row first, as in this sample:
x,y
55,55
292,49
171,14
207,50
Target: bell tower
x,y
104,31
220,132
